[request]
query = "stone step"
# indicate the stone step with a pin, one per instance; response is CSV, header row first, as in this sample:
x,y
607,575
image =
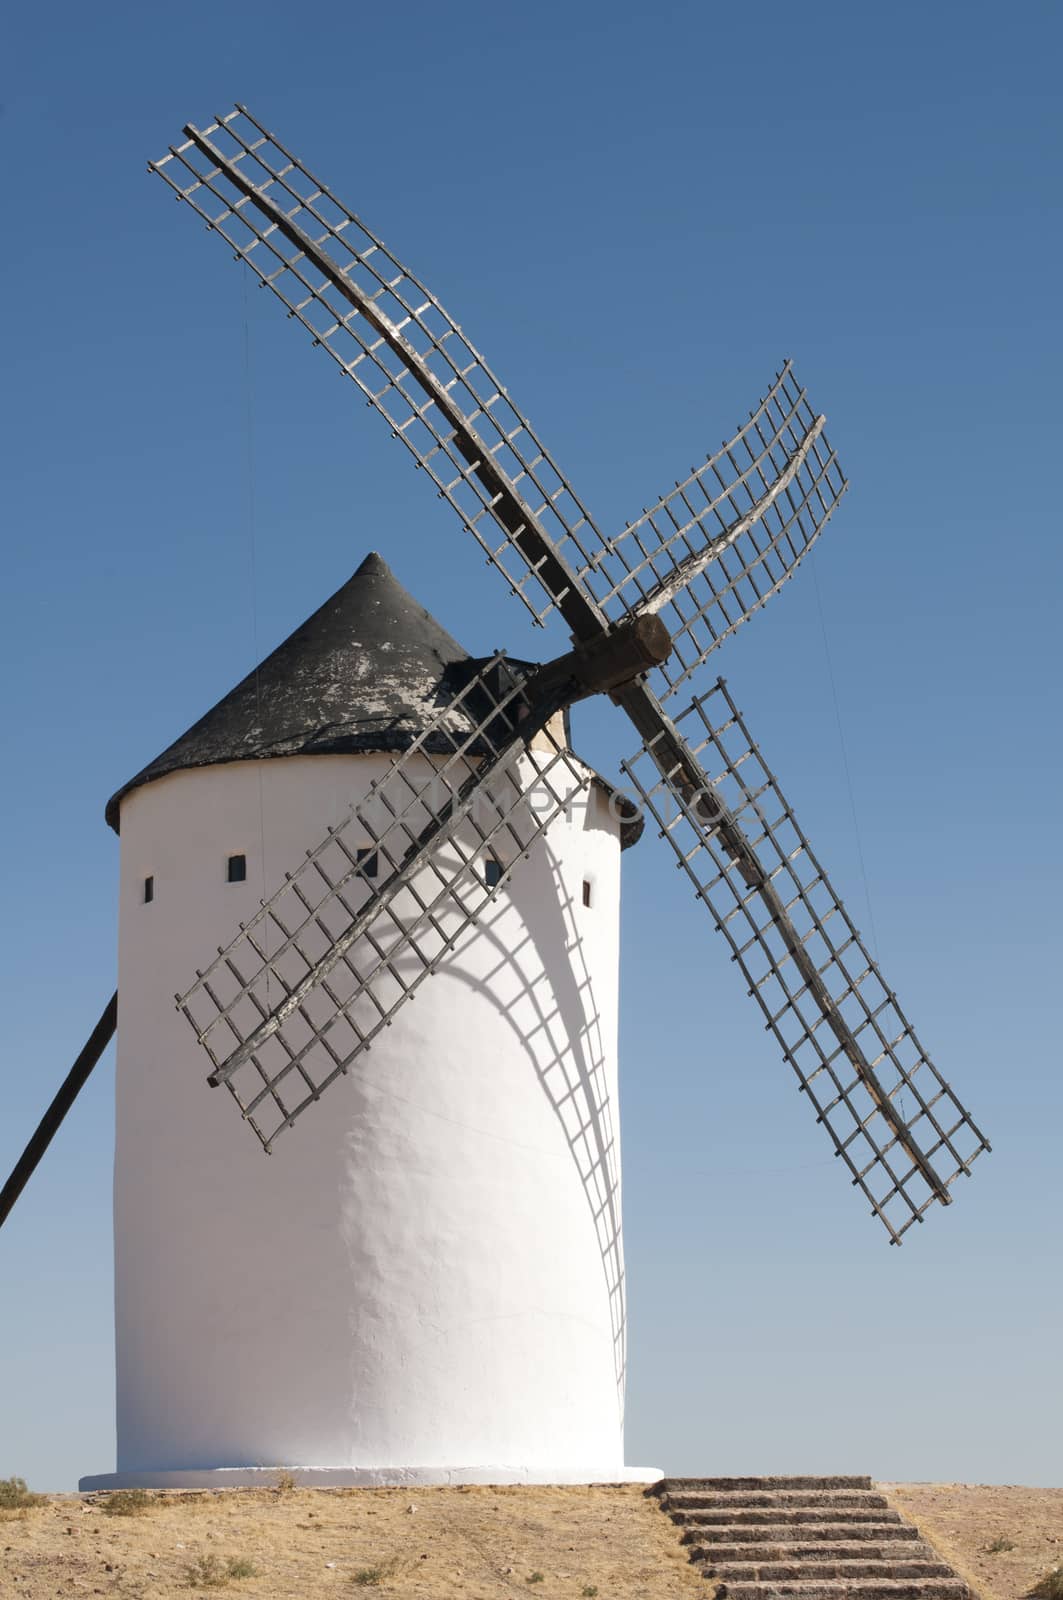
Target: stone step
x,y
667,1485
781,1516
775,1533
712,1499
850,1589
799,1551
762,1571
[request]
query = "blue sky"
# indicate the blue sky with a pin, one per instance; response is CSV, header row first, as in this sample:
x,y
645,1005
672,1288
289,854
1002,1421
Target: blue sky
x,y
636,213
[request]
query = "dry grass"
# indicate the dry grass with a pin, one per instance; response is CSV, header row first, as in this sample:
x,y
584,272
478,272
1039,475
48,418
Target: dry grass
x,y
328,1544
126,1503
210,1572
1004,1540
15,1496
288,1543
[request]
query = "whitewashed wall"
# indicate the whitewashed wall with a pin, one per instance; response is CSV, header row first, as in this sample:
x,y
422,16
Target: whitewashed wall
x,y
424,1281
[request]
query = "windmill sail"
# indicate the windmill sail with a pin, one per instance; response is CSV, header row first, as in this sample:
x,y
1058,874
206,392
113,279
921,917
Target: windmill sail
x,y
385,897
390,335
731,534
701,561
893,1119
720,544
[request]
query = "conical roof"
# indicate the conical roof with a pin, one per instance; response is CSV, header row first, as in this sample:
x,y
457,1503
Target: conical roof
x,y
368,671
365,672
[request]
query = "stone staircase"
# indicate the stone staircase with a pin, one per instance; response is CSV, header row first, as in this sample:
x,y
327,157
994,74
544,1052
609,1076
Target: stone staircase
x,y
809,1538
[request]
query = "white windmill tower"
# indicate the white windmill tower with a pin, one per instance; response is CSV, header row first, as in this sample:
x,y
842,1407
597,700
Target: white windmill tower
x,y
429,1282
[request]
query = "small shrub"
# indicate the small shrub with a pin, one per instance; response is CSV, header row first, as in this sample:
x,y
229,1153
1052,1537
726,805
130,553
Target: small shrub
x,y
240,1567
14,1495
1001,1542
589,1590
206,1573
284,1480
211,1573
1050,1587
367,1577
127,1502
536,1577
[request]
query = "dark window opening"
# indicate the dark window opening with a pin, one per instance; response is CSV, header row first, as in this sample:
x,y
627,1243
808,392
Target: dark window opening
x,y
492,872
367,859
237,869
149,890
586,891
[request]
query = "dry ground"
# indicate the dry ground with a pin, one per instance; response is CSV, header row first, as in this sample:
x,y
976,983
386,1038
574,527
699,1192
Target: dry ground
x,y
963,1519
324,1544
476,1543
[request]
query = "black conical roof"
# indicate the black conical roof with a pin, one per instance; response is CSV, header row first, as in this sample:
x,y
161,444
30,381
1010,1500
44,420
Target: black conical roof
x,y
365,672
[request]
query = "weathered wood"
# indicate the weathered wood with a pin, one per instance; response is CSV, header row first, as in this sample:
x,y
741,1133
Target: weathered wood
x,y
50,1123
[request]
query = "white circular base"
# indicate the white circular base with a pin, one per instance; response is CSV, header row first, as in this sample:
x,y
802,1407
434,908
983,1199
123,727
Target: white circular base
x,y
361,1477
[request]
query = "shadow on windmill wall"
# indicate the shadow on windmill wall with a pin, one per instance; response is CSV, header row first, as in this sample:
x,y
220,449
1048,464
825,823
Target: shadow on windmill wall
x,y
571,1058
539,981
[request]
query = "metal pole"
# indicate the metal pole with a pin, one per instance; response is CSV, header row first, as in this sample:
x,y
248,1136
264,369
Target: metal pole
x,y
49,1125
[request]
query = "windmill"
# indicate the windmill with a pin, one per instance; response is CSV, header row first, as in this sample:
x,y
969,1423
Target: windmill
x,y
386,896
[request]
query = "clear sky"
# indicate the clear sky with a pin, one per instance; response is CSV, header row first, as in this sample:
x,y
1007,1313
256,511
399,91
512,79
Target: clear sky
x,y
635,211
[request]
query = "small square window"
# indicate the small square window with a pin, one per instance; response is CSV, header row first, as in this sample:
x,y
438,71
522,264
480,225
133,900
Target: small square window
x,y
368,860
237,869
492,872
586,891
149,890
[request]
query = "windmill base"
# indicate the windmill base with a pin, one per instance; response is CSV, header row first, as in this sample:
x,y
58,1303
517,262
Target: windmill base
x,y
361,1477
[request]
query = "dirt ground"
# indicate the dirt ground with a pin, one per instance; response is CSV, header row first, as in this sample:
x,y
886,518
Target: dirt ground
x,y
962,1519
321,1544
476,1543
